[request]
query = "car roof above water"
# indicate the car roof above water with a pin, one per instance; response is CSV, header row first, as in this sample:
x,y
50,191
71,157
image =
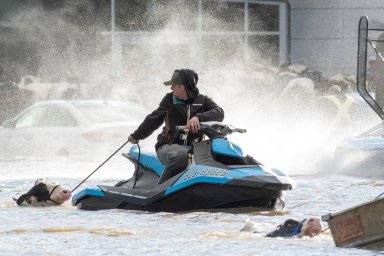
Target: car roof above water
x,y
100,111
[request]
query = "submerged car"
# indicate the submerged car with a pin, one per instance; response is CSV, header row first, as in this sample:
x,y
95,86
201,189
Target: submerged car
x,y
69,128
362,155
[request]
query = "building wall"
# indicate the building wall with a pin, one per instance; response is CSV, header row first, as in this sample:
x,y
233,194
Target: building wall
x,y
324,32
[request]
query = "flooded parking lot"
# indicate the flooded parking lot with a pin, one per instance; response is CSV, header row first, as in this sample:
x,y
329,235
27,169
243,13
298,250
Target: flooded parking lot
x,y
64,230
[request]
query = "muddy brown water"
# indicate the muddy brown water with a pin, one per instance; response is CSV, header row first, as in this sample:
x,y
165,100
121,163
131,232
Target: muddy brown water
x,y
64,230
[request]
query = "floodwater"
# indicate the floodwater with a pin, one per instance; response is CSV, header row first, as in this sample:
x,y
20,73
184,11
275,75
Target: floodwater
x,y
64,230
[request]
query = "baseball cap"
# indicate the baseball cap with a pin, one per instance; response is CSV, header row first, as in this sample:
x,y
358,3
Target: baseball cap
x,y
176,79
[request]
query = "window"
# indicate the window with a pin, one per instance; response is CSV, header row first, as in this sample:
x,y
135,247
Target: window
x,y
46,116
176,14
264,48
31,118
204,31
218,48
132,15
56,116
263,17
222,16
140,15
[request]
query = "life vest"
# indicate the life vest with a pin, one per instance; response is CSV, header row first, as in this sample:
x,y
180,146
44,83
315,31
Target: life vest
x,y
345,109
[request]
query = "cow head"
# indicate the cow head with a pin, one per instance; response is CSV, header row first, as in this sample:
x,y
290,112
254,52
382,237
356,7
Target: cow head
x,y
45,192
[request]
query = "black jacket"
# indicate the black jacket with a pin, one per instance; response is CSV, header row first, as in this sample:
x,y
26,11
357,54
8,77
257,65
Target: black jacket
x,y
176,114
288,229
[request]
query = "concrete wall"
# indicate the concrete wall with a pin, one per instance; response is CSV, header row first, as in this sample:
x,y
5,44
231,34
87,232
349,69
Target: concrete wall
x,y
324,32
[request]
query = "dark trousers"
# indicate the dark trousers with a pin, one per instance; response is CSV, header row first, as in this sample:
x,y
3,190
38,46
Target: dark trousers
x,y
175,159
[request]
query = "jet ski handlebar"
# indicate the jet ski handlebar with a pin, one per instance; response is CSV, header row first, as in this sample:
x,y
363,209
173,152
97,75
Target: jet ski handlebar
x,y
240,130
213,129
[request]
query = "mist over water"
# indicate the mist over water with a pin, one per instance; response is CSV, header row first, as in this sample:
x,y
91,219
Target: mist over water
x,y
283,131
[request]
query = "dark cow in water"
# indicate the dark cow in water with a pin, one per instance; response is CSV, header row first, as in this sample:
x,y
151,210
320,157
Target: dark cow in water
x,y
45,193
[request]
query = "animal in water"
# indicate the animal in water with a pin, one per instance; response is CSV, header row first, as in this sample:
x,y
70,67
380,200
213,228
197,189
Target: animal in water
x,y
307,227
45,193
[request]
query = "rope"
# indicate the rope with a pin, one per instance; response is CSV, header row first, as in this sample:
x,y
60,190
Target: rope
x,y
325,230
100,165
137,167
379,195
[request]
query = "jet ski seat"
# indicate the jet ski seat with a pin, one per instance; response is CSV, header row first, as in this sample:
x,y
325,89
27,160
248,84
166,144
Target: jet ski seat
x,y
148,159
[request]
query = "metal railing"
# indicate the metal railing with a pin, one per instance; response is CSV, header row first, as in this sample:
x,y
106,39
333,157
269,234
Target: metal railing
x,y
364,39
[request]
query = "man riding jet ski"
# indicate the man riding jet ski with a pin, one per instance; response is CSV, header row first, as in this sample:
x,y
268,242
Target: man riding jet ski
x,y
218,176
184,106
188,173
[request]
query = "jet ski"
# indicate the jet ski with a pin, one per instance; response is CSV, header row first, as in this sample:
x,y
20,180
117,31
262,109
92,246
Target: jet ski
x,y
219,176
